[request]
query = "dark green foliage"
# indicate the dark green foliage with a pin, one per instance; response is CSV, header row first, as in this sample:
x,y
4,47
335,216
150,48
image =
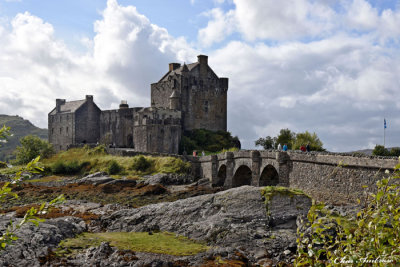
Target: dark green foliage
x,y
267,142
287,137
3,165
141,164
380,151
302,139
68,167
209,141
373,235
114,167
19,129
31,147
292,140
395,152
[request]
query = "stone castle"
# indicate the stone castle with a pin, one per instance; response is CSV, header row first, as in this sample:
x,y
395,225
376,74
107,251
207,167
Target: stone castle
x,y
187,97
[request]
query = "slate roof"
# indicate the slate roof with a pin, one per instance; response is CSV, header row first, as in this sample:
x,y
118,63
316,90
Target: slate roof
x,y
69,107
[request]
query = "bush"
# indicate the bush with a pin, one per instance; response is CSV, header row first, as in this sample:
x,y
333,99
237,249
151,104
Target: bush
x,y
3,165
375,234
32,147
141,164
114,167
68,167
201,139
58,167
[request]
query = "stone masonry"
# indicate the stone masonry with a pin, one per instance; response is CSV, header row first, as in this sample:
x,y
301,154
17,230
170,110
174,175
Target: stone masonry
x,y
187,97
328,177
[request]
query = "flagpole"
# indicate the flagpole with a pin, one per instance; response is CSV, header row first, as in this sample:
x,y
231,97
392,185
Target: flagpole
x,y
384,132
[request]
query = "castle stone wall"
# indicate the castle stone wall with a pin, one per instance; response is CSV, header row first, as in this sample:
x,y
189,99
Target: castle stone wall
x,y
61,130
116,127
87,123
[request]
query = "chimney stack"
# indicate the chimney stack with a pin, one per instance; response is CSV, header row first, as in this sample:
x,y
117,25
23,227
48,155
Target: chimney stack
x,y
174,66
89,98
59,102
203,61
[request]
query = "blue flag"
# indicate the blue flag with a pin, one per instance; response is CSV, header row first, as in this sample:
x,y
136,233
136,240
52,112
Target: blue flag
x,y
384,123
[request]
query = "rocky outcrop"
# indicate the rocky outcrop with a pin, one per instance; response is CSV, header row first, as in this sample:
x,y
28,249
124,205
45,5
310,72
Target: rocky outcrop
x,y
168,179
34,243
236,218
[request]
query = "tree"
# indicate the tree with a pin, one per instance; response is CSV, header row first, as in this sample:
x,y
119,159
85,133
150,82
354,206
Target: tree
x,y
286,136
395,152
302,139
32,147
7,237
380,151
267,142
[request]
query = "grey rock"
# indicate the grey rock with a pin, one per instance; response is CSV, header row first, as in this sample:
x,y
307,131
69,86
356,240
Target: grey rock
x,y
122,182
95,179
35,242
168,179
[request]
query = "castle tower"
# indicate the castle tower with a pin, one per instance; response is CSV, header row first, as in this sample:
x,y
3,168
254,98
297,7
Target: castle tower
x,y
175,101
202,95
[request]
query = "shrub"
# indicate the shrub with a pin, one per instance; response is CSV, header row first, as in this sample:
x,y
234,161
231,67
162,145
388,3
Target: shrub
x,y
141,164
114,167
3,165
68,167
58,167
376,234
32,147
201,139
72,167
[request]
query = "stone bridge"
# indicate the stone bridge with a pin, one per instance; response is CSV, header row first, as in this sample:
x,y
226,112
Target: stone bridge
x,y
331,177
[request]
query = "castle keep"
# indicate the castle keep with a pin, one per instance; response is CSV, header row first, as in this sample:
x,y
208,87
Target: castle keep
x,y
187,97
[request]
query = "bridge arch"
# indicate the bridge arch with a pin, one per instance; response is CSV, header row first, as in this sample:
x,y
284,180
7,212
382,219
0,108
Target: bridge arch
x,y
269,176
242,176
221,176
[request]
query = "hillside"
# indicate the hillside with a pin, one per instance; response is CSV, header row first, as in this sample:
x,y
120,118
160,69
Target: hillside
x,y
19,129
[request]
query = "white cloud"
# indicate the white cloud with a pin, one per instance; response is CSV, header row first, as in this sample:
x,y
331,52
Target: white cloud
x,y
361,15
281,20
336,84
218,28
125,56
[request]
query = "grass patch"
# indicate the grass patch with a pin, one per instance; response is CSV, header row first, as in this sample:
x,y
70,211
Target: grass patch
x,y
160,242
86,160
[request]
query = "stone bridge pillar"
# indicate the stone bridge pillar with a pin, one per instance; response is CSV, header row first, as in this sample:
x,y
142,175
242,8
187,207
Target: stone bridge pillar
x,y
214,169
255,168
230,166
284,166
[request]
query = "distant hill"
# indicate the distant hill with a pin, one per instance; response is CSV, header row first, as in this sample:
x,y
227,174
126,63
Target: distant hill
x,y
19,129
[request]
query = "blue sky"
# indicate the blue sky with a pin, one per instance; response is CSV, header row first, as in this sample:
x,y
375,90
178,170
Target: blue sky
x,y
326,66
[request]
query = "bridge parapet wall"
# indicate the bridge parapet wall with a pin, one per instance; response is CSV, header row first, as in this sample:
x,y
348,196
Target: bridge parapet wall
x,y
330,177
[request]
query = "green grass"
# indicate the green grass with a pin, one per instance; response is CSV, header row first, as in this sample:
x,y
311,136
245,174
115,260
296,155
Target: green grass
x,y
160,242
97,160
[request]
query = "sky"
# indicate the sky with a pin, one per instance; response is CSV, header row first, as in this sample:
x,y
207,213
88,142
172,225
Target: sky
x,y
324,66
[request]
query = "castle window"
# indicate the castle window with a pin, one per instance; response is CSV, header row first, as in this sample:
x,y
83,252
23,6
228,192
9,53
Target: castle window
x,y
67,130
205,106
52,130
60,130
60,118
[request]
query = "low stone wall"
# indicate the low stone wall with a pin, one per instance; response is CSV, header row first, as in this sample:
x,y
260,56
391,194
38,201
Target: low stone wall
x,y
337,179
